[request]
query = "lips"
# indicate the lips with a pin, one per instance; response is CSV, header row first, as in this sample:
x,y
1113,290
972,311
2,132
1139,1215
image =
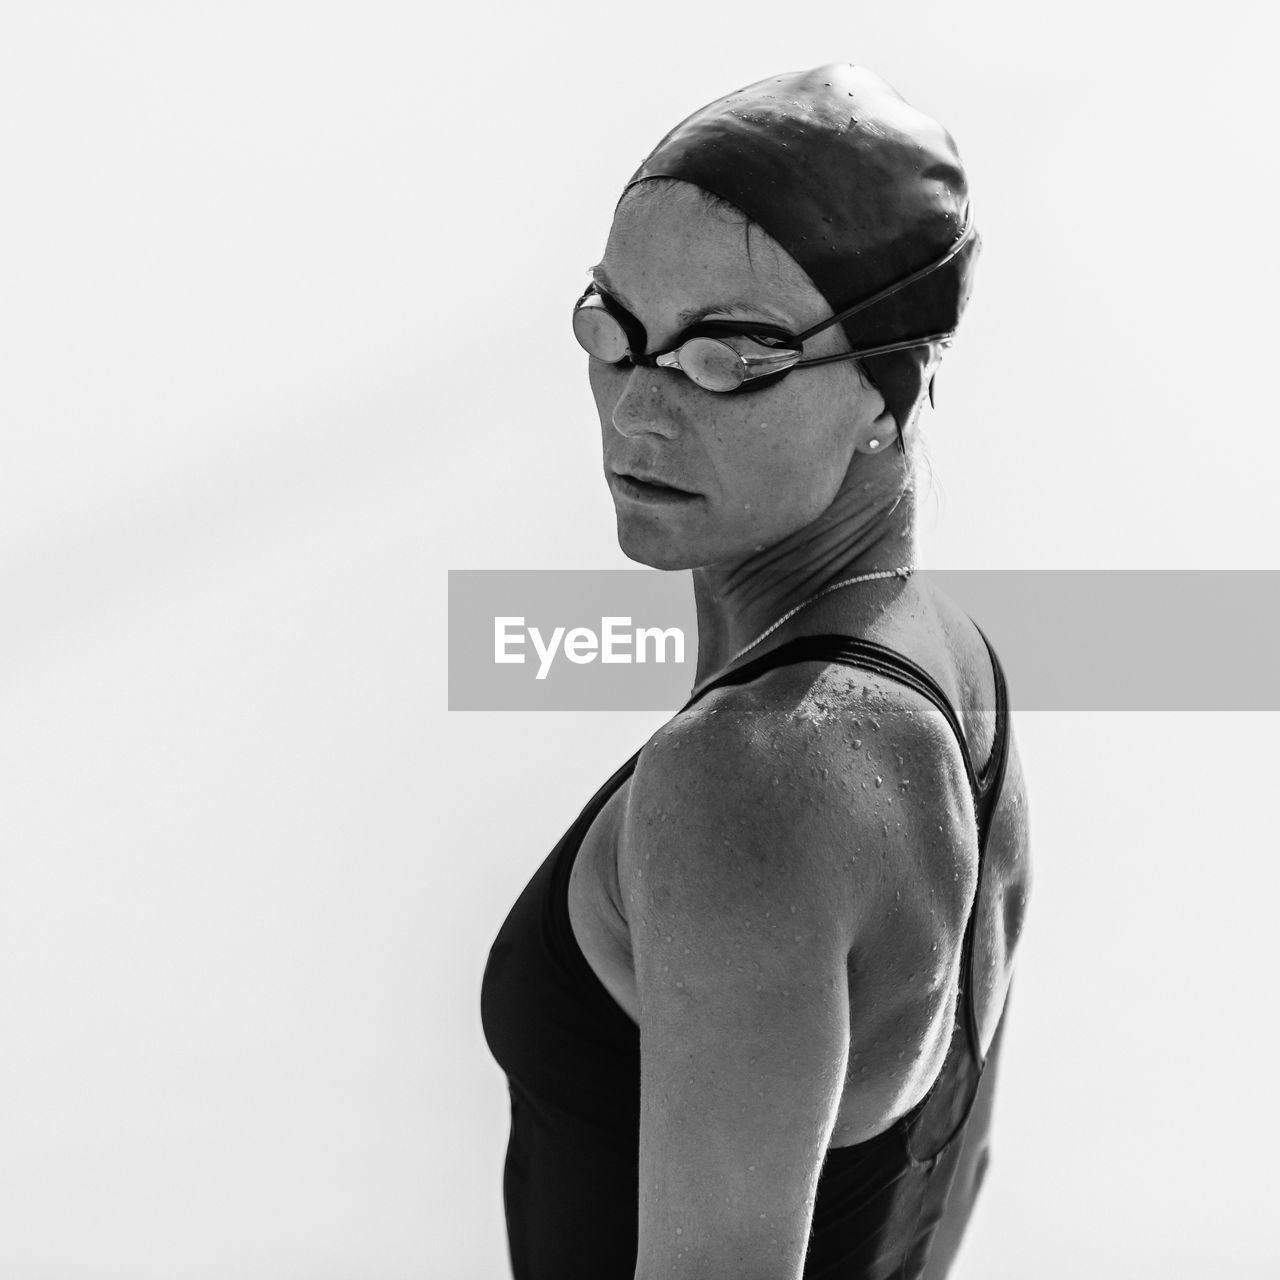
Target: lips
x,y
656,482
641,489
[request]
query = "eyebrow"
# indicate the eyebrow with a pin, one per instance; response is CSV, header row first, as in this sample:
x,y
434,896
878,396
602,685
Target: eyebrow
x,y
692,315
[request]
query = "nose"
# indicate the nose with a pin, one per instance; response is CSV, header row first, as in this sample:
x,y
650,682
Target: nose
x,y
648,404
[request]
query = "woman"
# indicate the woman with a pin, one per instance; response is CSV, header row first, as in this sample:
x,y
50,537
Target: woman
x,y
746,1004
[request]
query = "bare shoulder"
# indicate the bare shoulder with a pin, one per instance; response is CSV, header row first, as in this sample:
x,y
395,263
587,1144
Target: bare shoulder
x,y
814,789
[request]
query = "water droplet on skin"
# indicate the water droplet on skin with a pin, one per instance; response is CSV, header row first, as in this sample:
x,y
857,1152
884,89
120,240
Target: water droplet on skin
x,y
857,742
901,1053
879,780
794,908
751,1168
679,1231
775,782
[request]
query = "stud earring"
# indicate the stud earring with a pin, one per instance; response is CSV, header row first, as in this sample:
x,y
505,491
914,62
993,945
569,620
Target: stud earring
x,y
873,444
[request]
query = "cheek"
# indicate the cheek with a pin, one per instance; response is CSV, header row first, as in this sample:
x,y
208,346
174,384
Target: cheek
x,y
778,443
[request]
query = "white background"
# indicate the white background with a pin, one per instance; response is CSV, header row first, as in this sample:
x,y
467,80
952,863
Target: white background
x,y
284,299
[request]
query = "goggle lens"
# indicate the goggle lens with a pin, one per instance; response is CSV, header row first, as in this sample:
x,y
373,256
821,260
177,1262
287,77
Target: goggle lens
x,y
713,365
599,334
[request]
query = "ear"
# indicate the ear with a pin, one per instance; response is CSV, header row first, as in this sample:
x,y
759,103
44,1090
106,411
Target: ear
x,y
878,433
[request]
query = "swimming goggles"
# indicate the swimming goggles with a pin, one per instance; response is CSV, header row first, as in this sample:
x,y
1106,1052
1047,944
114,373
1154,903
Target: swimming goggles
x,y
717,355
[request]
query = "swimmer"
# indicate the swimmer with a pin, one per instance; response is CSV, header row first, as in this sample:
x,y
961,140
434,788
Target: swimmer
x,y
750,1007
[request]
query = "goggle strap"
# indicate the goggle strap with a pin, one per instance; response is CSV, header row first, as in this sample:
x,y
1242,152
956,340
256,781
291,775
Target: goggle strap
x,y
882,350
895,288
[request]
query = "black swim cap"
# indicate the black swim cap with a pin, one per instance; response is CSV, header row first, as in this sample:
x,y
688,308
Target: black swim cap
x,y
857,186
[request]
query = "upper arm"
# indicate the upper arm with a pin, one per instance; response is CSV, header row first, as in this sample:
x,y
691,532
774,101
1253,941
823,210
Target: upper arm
x,y
744,888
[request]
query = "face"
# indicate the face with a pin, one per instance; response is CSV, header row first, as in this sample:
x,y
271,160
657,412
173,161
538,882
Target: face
x,y
746,469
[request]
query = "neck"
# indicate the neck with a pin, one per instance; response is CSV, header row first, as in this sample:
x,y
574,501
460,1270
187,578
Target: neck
x,y
736,602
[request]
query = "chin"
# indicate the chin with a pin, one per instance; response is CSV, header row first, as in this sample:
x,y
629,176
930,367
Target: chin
x,y
665,549
656,552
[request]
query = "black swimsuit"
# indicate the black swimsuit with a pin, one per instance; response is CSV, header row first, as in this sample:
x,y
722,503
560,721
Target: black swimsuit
x,y
893,1206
